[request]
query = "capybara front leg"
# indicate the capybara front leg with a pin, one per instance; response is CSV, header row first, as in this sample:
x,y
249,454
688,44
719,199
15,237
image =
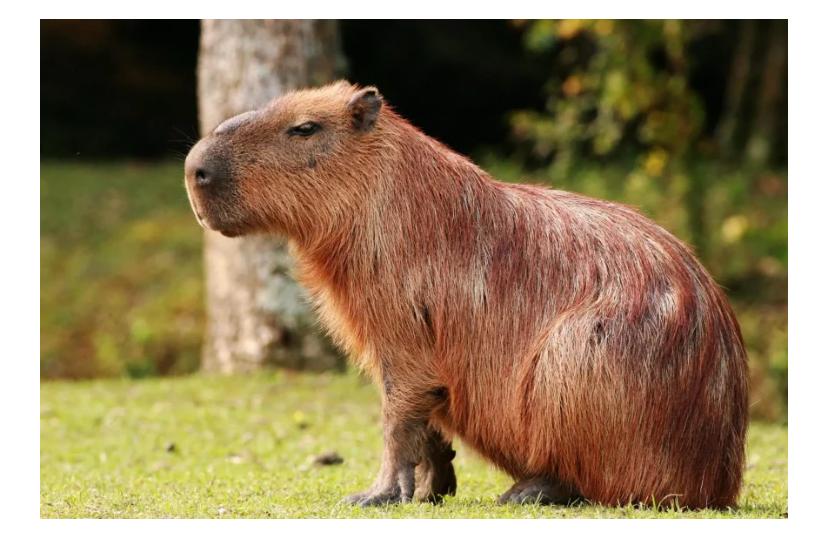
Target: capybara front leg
x,y
435,474
394,484
538,490
406,434
404,439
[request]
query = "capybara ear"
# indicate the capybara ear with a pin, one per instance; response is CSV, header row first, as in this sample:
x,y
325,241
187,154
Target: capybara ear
x,y
364,107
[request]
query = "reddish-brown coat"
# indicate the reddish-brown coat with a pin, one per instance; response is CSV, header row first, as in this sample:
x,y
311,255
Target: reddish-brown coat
x,y
577,339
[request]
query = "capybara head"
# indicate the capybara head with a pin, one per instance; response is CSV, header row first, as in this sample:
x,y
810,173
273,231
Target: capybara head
x,y
295,164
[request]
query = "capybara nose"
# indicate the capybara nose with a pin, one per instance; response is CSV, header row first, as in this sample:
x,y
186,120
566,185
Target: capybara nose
x,y
206,166
201,172
203,177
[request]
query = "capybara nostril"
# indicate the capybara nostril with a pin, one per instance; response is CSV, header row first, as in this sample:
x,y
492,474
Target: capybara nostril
x,y
207,165
202,178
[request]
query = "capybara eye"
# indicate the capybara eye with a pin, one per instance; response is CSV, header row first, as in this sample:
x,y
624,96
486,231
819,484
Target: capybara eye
x,y
305,129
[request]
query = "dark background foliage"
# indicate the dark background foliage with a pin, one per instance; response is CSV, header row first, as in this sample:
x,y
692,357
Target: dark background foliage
x,y
127,88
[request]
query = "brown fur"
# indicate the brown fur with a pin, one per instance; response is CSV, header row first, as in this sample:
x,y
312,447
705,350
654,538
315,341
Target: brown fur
x,y
566,339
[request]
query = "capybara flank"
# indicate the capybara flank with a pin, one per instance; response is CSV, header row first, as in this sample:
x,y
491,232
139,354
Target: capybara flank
x,y
570,341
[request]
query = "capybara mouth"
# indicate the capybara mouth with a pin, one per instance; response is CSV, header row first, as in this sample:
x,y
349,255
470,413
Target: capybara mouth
x,y
230,233
230,230
194,206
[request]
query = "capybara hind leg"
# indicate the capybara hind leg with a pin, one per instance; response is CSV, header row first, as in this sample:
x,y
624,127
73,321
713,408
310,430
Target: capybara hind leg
x,y
435,474
538,490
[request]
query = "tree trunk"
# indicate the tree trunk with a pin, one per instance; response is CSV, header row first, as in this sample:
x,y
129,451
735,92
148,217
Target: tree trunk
x,y
256,314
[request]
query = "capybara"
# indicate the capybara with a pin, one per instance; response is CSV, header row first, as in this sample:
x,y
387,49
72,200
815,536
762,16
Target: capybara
x,y
571,341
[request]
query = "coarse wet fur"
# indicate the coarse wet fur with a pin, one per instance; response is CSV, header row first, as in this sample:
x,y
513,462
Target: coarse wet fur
x,y
571,341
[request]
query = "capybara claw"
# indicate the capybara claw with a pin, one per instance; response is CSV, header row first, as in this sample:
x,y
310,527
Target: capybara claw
x,y
378,498
354,499
537,491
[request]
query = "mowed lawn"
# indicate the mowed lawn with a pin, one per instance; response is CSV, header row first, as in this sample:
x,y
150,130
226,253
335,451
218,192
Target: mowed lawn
x,y
230,447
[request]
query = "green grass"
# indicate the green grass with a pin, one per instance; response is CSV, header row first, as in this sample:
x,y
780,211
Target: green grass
x,y
200,446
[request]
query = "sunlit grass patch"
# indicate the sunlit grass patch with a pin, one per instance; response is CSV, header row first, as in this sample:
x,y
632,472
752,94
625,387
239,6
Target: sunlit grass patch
x,y
200,446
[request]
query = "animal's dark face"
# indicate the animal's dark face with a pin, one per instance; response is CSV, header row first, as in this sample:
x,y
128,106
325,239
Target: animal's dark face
x,y
273,168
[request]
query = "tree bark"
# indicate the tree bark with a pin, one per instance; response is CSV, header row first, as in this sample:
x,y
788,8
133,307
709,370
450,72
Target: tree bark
x,y
256,313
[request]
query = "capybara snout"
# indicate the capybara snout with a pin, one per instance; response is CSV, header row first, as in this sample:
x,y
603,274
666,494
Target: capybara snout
x,y
211,188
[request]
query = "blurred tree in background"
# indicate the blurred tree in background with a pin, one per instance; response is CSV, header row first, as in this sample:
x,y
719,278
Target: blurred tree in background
x,y
257,315
686,120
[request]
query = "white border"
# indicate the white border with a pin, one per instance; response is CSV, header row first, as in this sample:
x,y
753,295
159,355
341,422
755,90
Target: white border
x,y
19,219
422,9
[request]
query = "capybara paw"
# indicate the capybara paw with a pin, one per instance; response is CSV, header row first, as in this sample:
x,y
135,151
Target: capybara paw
x,y
377,498
435,482
537,491
354,498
